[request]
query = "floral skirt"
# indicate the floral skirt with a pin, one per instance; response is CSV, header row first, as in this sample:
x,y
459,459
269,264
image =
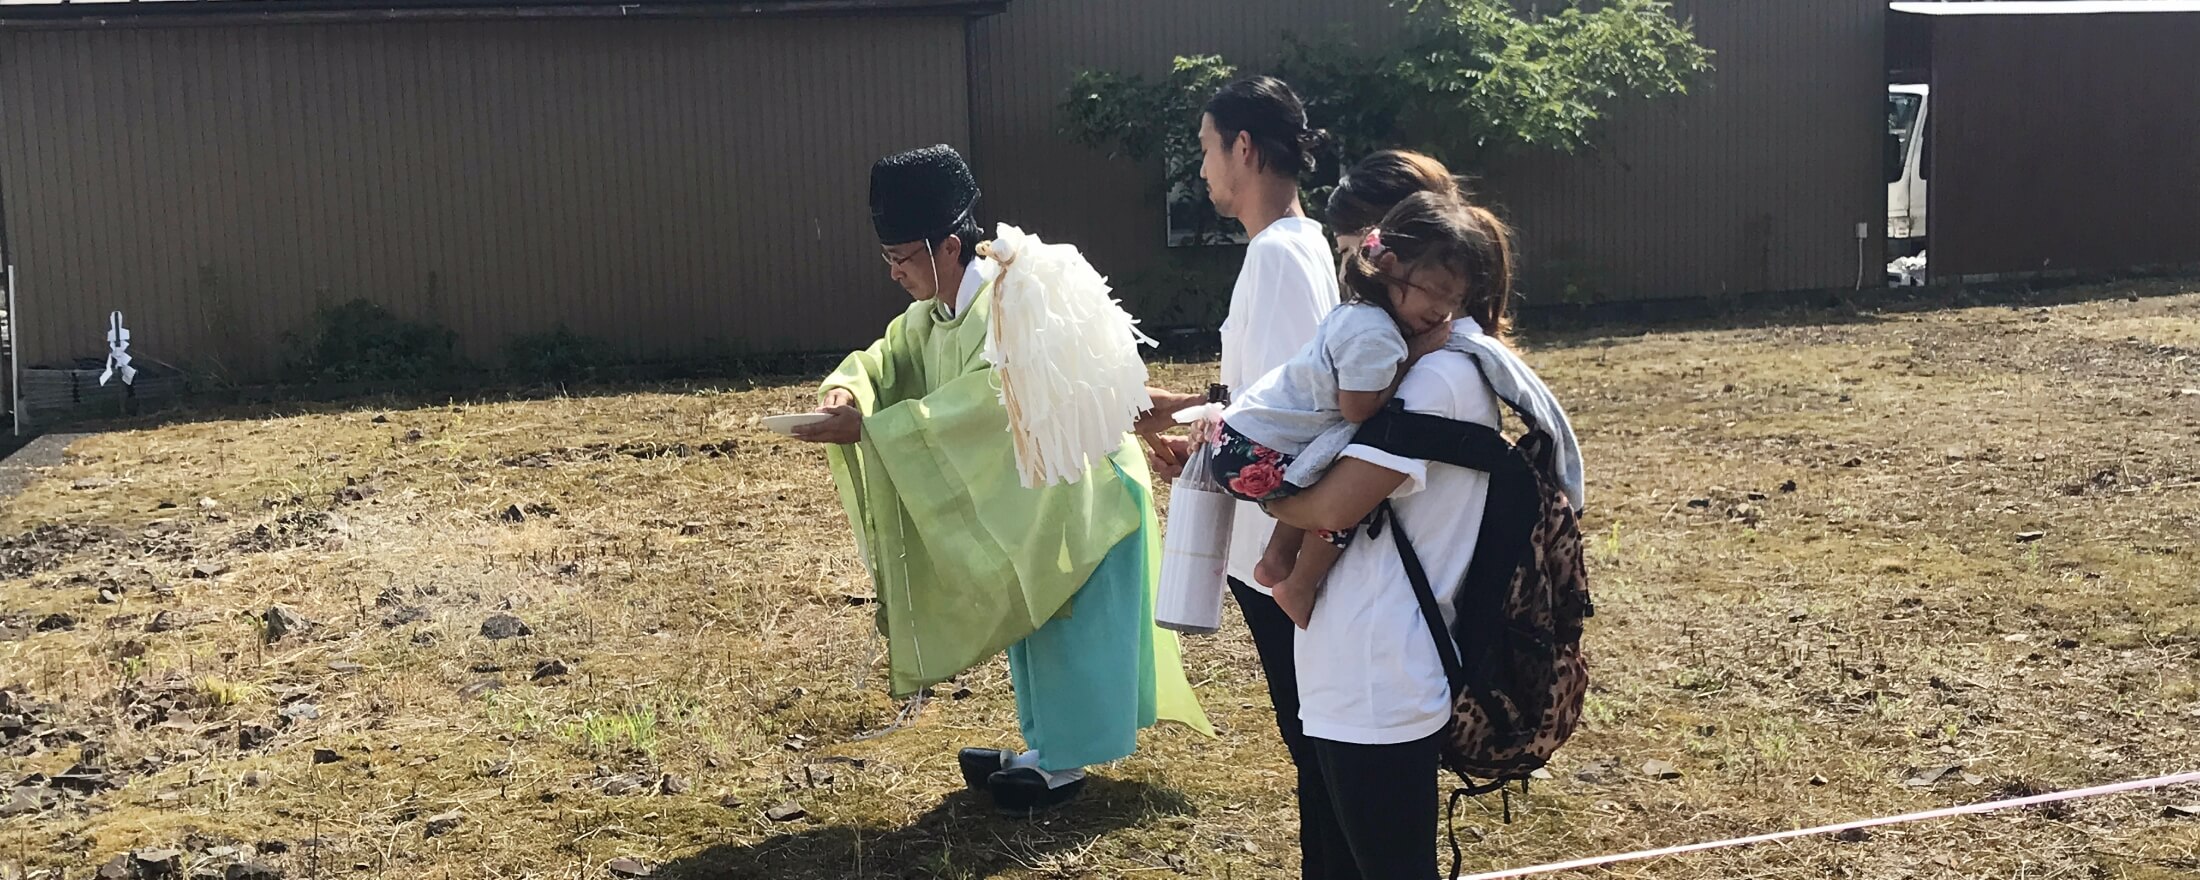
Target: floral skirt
x,y
1252,472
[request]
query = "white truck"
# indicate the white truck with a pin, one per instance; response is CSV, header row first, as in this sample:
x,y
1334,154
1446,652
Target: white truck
x,y
1909,164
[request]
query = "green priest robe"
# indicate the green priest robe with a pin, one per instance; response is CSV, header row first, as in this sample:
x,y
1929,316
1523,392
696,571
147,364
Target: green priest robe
x,y
967,562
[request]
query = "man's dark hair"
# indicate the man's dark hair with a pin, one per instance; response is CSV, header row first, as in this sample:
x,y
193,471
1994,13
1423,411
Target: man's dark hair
x,y
967,232
1266,109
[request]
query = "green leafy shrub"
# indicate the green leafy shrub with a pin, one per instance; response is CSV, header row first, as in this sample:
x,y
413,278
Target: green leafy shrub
x,y
559,355
361,341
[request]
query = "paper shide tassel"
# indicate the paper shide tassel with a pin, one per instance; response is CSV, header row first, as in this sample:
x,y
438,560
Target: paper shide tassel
x,y
1066,356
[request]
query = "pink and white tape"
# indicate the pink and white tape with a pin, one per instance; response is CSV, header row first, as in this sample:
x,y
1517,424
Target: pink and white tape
x,y
2191,778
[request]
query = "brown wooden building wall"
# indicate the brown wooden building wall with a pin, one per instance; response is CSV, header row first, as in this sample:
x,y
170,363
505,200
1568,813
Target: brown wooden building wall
x,y
684,187
2064,142
679,187
1754,182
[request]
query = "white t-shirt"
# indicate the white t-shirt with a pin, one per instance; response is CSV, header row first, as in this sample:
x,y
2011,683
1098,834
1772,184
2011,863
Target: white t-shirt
x,y
1287,286
1368,669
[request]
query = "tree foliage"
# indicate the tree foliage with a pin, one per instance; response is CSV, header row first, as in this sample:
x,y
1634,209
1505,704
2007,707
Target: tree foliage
x,y
1469,79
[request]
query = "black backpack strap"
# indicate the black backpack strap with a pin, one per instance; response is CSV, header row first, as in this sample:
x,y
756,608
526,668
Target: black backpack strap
x,y
1435,438
1482,364
1446,649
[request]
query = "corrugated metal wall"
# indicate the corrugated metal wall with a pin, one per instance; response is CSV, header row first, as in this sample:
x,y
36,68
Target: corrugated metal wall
x,y
2064,142
1756,181
677,187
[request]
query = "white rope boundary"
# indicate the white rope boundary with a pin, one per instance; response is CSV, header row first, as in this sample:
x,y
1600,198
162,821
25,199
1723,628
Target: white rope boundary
x,y
2188,778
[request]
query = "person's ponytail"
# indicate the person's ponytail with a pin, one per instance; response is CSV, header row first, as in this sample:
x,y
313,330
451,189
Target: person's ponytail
x,y
1489,297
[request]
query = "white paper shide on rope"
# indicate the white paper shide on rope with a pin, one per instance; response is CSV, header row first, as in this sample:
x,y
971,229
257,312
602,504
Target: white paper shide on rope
x,y
1066,356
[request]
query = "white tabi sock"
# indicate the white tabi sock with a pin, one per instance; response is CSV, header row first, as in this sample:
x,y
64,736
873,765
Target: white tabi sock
x,y
1054,778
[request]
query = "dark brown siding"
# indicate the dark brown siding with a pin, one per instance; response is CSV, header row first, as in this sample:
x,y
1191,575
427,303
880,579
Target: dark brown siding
x,y
688,187
1755,181
2064,142
677,187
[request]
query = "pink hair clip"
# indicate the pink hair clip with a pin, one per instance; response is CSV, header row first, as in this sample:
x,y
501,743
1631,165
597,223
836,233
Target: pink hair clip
x,y
1373,243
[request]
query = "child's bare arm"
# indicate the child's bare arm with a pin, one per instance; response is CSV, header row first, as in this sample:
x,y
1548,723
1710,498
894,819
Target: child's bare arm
x,y
1359,406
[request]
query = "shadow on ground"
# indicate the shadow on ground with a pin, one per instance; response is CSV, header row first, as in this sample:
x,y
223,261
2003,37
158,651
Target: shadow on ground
x,y
960,837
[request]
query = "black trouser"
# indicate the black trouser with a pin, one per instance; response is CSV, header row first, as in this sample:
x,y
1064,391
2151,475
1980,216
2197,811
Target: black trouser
x,y
1374,816
1383,799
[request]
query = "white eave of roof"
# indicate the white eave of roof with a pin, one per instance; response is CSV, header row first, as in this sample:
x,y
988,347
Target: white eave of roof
x,y
2045,7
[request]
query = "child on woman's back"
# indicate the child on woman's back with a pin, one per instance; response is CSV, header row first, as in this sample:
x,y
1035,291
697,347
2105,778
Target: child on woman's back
x,y
1405,284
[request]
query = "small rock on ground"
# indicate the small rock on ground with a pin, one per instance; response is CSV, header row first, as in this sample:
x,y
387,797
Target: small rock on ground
x,y
251,871
504,626
786,811
252,736
21,802
444,823
282,621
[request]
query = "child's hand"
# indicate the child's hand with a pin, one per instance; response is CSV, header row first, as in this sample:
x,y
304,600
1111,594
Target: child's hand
x,y
1427,342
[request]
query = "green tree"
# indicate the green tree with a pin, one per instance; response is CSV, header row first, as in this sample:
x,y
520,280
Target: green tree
x,y
1135,119
1470,79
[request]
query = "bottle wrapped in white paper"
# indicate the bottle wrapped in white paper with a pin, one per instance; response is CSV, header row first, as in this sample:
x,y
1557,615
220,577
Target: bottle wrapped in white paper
x,y
1195,560
1195,551
1066,355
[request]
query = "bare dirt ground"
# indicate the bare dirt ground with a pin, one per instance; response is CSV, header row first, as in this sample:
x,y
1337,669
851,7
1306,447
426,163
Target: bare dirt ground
x,y
1845,566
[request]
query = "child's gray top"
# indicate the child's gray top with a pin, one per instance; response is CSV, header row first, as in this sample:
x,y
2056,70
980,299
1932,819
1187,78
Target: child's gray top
x,y
1294,409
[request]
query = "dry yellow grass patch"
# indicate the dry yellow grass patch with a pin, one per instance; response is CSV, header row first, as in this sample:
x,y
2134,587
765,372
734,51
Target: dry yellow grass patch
x,y
1986,558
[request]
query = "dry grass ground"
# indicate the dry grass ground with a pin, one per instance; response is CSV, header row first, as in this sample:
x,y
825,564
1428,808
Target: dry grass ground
x,y
1832,558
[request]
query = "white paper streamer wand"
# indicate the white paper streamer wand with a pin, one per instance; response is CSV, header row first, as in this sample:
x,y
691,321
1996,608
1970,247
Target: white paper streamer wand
x,y
1066,355
118,352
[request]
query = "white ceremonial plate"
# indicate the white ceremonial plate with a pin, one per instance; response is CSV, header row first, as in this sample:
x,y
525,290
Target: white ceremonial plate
x,y
786,423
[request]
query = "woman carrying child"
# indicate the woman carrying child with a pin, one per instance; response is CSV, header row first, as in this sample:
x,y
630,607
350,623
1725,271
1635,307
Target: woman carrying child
x,y
1373,696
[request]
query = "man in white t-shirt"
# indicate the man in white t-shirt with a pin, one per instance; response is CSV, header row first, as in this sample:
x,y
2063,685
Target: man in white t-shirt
x,y
1257,145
